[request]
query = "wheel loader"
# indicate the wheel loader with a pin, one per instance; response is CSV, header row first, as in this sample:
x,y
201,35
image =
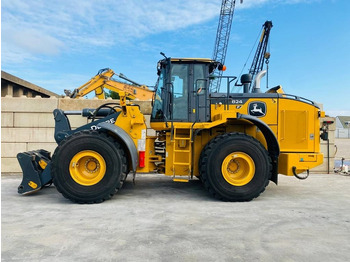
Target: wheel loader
x,y
234,142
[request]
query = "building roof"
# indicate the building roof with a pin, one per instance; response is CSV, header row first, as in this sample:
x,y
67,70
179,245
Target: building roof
x,y
345,121
20,83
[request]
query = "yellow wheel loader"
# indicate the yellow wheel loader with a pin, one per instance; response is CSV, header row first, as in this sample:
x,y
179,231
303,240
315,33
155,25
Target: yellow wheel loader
x,y
235,143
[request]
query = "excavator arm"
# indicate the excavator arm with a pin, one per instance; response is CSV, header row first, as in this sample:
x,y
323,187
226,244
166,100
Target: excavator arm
x,y
103,80
131,92
94,84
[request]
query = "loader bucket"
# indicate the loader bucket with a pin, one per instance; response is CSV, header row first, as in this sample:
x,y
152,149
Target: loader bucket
x,y
36,168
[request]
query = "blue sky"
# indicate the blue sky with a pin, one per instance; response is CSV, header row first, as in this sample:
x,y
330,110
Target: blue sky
x,y
62,44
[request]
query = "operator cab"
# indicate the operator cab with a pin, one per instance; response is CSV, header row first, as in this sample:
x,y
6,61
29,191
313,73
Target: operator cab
x,y
182,90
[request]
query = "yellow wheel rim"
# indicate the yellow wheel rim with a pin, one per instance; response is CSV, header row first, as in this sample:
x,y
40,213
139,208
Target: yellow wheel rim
x,y
87,168
238,169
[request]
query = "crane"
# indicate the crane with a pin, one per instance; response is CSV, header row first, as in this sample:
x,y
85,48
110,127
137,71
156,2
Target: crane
x,y
261,55
103,79
222,38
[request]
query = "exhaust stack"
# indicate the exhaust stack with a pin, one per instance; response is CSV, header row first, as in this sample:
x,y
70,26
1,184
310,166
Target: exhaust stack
x,y
257,80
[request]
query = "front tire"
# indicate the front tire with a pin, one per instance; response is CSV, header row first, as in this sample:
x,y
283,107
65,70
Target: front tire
x,y
89,167
235,167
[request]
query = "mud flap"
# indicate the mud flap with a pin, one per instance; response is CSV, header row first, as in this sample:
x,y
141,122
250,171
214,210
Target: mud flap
x,y
36,168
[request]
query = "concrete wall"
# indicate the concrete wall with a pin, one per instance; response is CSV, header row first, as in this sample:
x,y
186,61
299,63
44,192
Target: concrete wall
x,y
342,149
328,165
28,124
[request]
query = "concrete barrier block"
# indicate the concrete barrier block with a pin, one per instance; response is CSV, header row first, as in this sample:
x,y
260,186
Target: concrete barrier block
x,y
148,121
331,137
45,120
34,120
151,132
77,121
27,135
25,104
10,165
332,150
145,106
323,168
79,104
6,119
12,149
332,126
343,148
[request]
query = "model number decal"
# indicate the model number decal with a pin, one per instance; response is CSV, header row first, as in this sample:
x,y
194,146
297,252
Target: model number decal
x,y
237,101
111,121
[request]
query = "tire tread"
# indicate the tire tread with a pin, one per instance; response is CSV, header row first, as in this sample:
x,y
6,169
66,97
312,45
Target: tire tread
x,y
108,195
204,158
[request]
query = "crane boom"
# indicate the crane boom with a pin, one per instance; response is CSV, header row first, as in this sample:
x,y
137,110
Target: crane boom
x,y
222,38
261,54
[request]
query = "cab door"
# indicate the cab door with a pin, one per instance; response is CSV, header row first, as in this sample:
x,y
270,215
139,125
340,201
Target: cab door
x,y
199,107
189,92
180,83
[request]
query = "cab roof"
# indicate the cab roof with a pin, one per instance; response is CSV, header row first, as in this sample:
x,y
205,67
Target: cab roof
x,y
189,59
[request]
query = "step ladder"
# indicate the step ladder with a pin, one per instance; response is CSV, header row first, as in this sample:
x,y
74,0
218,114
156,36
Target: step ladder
x,y
182,153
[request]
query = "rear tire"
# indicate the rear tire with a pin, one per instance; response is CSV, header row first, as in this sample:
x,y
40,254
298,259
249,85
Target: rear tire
x,y
89,167
235,167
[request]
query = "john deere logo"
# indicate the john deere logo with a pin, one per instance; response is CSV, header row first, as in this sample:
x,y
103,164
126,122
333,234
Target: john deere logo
x,y
257,109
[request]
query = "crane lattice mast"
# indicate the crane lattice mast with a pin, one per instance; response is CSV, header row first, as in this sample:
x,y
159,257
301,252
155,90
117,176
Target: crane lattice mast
x,y
222,38
261,54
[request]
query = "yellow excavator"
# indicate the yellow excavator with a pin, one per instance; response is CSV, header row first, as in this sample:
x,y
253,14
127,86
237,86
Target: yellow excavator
x,y
103,80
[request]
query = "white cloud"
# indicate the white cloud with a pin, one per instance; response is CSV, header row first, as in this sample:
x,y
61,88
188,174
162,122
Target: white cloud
x,y
48,28
34,41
